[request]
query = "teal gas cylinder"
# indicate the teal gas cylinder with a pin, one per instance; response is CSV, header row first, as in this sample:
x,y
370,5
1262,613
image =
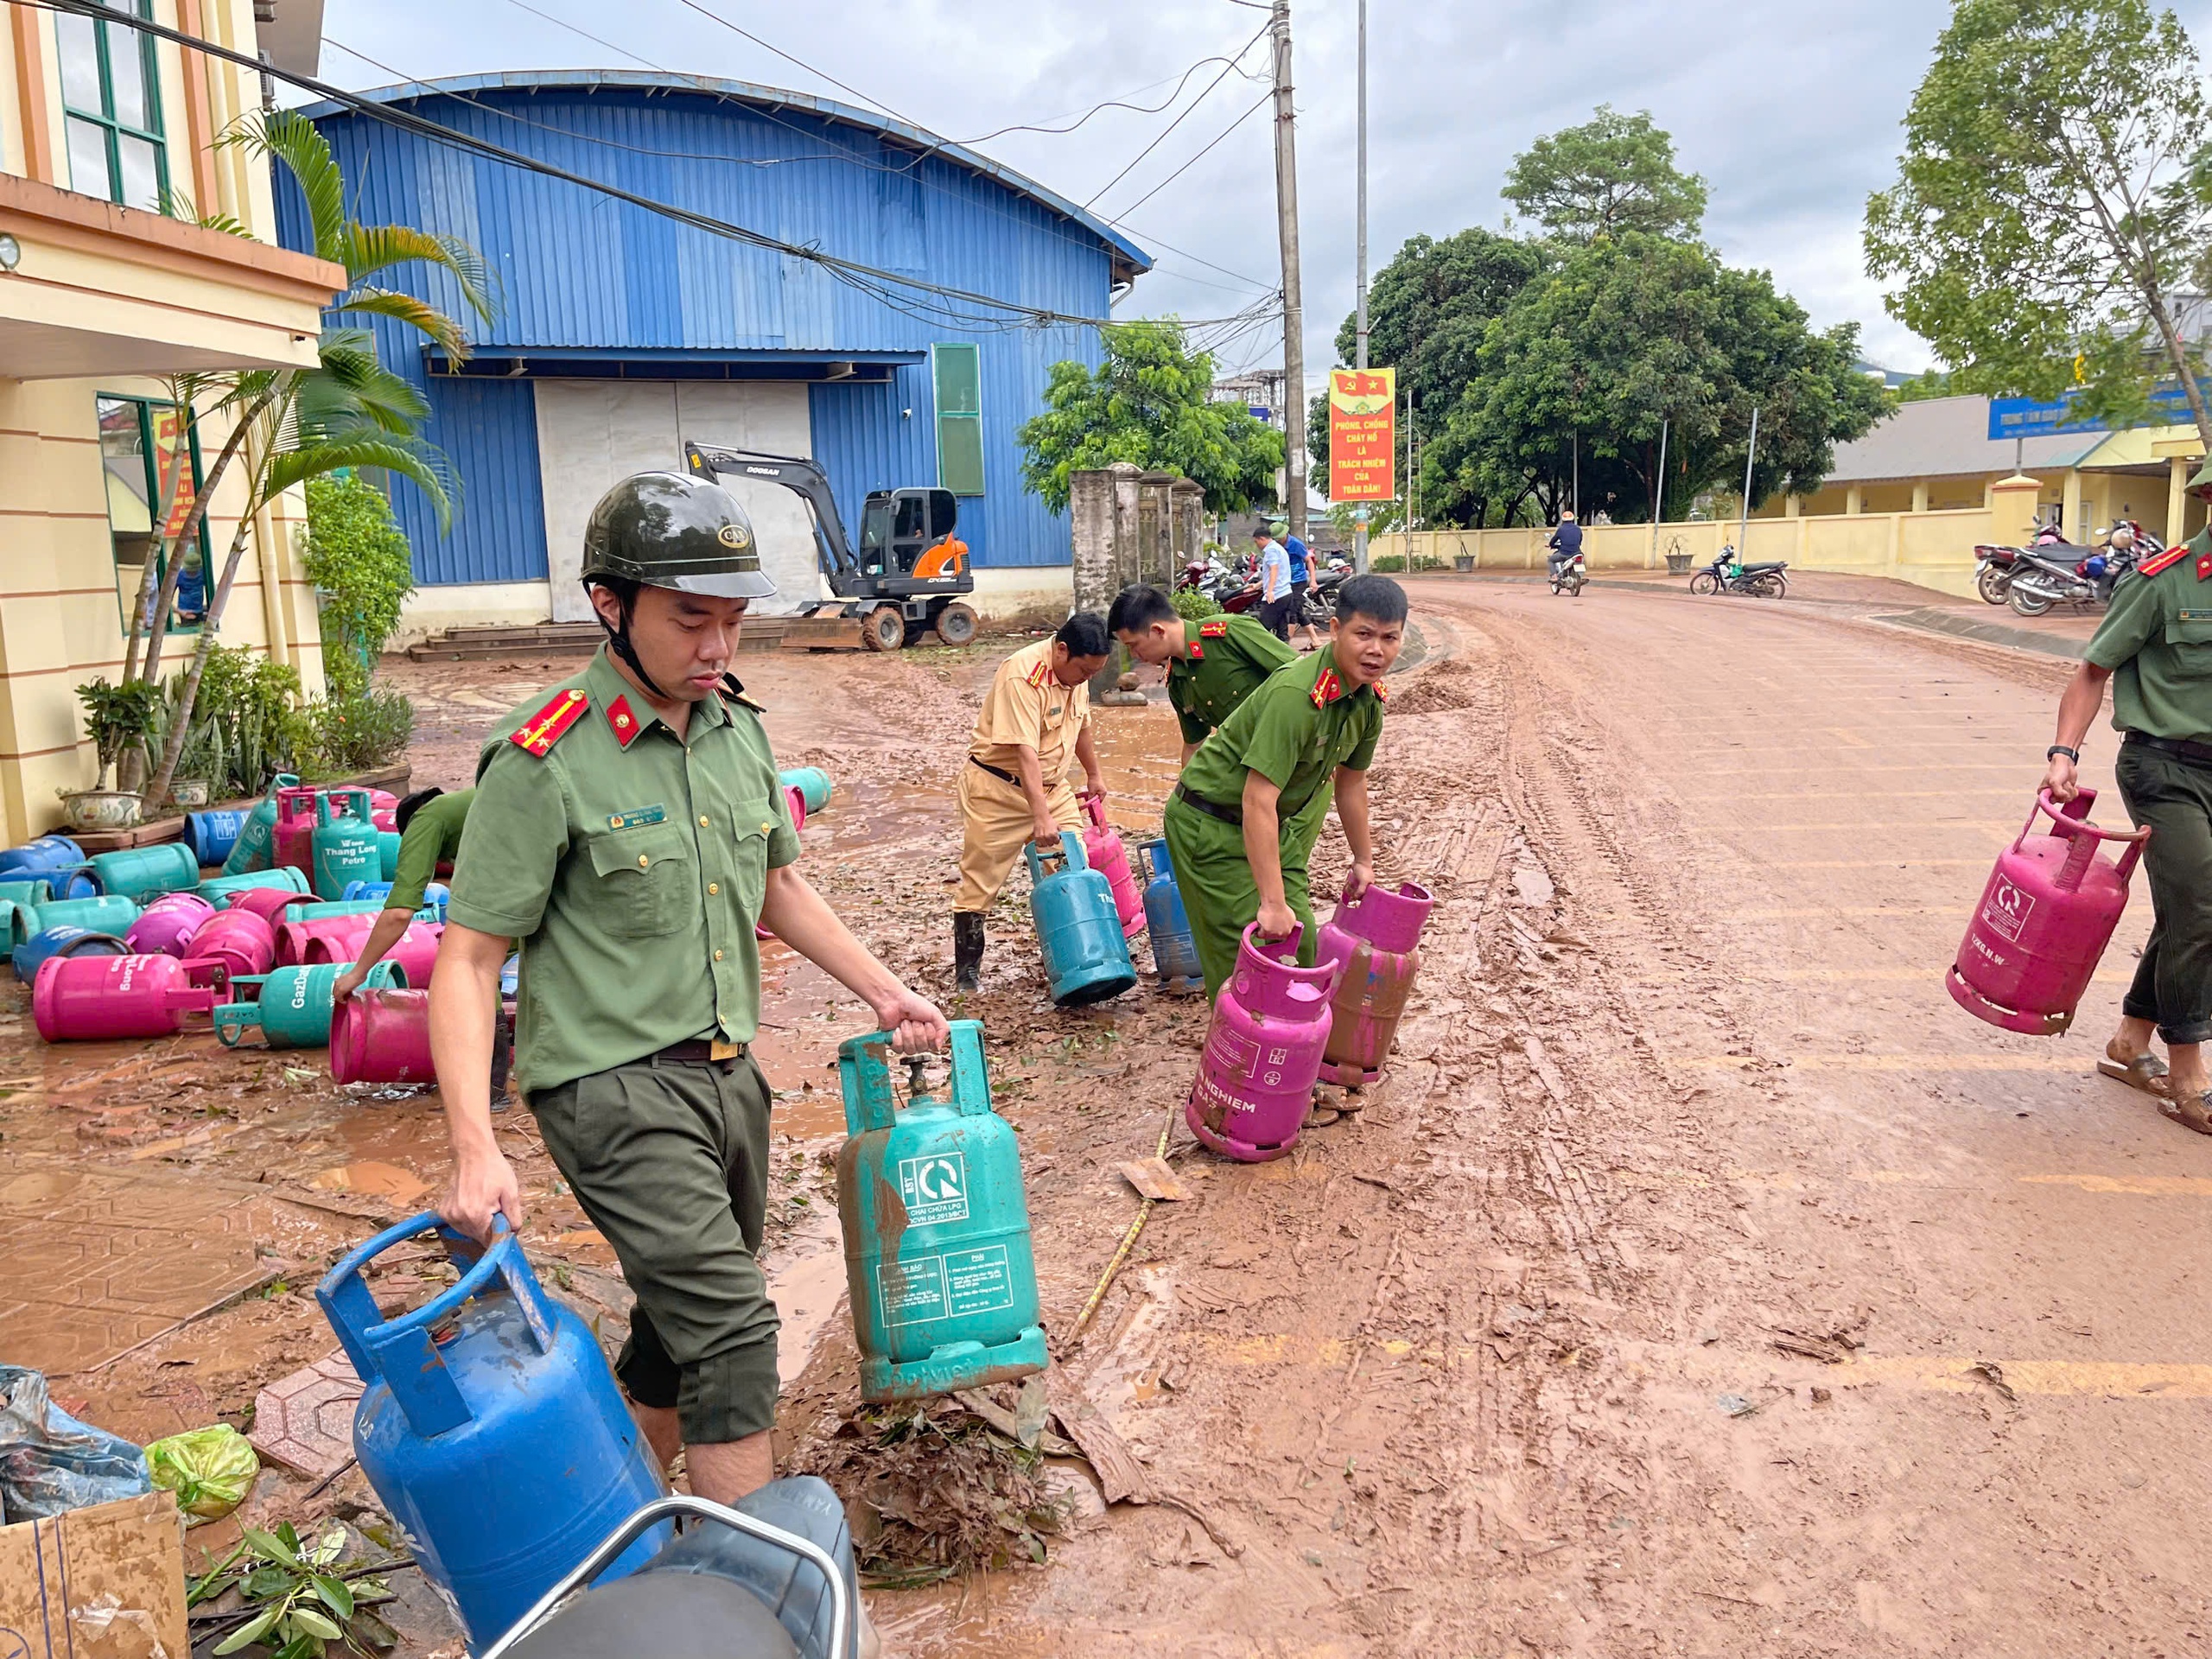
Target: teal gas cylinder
x,y
109,913
387,856
345,842
291,1008
1078,927
141,873
811,782
937,1230
256,847
216,889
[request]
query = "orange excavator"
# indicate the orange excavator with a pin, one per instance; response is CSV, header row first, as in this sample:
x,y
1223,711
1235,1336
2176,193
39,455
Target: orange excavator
x,y
906,581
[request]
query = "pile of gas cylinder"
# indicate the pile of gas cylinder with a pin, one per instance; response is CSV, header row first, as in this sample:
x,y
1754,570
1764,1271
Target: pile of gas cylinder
x,y
1278,1028
242,925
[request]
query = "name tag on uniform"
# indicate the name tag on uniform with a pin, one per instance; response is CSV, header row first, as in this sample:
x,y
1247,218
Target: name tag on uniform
x,y
637,816
2187,615
1051,713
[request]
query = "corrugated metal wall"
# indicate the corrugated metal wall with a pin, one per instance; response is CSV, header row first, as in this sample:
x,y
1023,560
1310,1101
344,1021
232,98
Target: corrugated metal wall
x,y
577,270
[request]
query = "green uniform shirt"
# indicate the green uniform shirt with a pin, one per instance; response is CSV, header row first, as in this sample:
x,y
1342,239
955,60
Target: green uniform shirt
x,y
631,866
2157,640
432,837
1294,731
1229,658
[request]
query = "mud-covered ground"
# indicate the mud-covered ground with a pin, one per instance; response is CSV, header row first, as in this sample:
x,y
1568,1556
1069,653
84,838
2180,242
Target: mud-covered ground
x,y
1700,1281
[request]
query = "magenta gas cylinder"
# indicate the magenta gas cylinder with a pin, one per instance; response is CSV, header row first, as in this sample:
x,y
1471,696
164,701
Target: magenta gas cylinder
x,y
327,939
1263,1051
1110,859
87,999
165,927
382,1036
416,951
795,798
295,832
1376,939
2045,917
241,940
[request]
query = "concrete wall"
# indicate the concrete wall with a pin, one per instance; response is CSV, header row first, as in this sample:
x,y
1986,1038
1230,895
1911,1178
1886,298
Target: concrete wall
x,y
1934,550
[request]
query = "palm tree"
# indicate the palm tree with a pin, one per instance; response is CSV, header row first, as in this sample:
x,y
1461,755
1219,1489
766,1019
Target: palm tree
x,y
348,411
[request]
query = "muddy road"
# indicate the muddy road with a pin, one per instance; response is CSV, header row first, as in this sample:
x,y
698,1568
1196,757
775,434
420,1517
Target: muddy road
x,y
1700,1281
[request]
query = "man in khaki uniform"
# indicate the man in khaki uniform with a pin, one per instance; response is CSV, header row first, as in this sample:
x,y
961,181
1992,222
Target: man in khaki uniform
x,y
1013,789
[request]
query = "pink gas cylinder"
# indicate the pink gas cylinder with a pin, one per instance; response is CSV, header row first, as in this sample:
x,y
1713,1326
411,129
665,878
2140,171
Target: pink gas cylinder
x,y
385,819
165,927
268,903
1263,1051
327,939
1110,859
1375,940
415,951
796,797
382,1036
2044,919
295,815
87,999
238,940
383,800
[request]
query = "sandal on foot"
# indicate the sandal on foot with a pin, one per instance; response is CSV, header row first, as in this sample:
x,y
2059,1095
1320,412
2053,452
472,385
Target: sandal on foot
x,y
2145,1072
2193,1114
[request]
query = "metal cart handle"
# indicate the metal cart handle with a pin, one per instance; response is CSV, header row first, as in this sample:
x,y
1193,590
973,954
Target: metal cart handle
x,y
661,1509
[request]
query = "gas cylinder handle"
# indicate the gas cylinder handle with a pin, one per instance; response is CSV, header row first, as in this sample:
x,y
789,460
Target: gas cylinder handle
x,y
1289,942
1094,809
71,947
2068,822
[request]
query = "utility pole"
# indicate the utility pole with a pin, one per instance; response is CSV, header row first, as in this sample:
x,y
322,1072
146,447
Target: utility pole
x,y
1751,451
1294,309
1359,543
1659,490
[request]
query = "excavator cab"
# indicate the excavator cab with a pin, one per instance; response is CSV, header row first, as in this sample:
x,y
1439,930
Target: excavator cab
x,y
905,580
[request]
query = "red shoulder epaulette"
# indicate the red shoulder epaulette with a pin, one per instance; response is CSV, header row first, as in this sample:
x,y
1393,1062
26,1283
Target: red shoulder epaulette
x,y
2172,555
543,729
1039,674
1327,688
1381,692
1213,630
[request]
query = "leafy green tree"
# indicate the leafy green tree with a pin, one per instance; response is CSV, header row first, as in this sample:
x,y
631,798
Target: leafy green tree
x,y
2054,196
360,563
1632,331
1148,404
1614,173
349,411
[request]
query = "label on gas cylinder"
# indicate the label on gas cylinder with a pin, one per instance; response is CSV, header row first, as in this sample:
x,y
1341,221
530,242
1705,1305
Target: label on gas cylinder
x,y
1236,1054
934,1189
2008,910
949,1286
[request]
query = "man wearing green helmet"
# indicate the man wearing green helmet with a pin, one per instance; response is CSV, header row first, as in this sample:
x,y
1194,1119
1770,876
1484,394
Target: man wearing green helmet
x,y
628,829
2155,645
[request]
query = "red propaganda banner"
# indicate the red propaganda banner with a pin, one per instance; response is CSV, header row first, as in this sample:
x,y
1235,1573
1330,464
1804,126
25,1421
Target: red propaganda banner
x,y
172,458
1362,434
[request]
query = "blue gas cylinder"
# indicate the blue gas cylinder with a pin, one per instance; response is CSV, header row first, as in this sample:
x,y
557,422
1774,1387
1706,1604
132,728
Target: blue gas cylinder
x,y
937,1230
491,1426
211,834
65,940
75,882
1174,953
37,857
1078,928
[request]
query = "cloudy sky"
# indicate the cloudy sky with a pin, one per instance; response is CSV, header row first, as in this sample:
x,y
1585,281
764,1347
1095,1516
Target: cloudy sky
x,y
1790,112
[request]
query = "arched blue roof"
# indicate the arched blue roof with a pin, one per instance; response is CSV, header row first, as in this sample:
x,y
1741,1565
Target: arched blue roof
x,y
1129,260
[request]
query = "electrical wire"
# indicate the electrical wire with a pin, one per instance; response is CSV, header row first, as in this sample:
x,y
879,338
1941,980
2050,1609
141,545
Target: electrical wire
x,y
868,278
1189,110
1111,104
820,74
1195,160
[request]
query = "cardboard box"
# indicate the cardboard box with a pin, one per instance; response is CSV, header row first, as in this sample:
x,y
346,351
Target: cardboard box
x,y
105,1582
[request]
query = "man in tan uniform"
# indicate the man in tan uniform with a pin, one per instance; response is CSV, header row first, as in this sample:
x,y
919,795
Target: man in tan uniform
x,y
1013,789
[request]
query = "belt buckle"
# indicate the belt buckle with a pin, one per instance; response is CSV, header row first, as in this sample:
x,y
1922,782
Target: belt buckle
x,y
719,1050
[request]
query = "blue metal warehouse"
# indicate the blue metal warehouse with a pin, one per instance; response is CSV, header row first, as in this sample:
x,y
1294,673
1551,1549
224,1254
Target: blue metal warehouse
x,y
621,329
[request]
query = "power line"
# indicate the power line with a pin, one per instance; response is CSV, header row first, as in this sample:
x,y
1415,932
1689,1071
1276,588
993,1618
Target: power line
x,y
1111,104
822,74
867,278
1194,160
1189,110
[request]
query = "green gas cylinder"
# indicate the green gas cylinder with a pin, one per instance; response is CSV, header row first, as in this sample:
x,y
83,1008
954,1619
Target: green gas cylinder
x,y
109,913
216,889
256,847
937,1230
141,873
345,847
387,856
291,1008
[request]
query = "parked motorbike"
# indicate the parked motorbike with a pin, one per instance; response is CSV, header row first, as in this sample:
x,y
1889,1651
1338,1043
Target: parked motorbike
x,y
1725,574
1570,577
1993,565
2045,576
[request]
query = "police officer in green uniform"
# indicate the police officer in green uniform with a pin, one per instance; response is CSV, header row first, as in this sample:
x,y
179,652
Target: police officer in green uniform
x,y
628,829
1237,824
429,823
2155,645
1212,665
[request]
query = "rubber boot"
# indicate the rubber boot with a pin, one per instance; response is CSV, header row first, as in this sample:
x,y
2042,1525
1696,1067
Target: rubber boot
x,y
967,949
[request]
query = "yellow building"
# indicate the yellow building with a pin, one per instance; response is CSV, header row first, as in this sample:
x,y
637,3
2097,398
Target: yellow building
x,y
101,295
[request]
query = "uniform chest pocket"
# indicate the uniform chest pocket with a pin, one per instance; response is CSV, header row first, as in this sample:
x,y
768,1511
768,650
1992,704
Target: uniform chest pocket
x,y
750,828
646,881
2190,633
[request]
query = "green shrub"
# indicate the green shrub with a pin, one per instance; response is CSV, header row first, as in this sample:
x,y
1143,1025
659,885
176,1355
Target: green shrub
x,y
360,732
361,565
1389,564
1191,605
245,722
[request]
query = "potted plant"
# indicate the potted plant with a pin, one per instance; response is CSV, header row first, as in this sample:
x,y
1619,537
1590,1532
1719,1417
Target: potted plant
x,y
119,719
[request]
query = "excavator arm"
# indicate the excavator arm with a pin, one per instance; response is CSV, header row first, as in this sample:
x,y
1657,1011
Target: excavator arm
x,y
802,476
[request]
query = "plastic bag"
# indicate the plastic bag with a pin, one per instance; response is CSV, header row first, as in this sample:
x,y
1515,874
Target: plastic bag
x,y
50,1463
209,1470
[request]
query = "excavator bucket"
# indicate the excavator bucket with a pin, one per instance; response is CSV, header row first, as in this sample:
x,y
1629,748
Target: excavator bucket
x,y
826,630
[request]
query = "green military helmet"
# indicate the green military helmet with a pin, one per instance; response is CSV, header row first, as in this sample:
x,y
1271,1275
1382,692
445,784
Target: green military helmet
x,y
665,529
2203,479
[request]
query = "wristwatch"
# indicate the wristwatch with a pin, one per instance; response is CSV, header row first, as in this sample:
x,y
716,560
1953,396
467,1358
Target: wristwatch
x,y
2057,749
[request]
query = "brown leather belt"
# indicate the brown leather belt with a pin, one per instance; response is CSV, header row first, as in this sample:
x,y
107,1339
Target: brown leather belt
x,y
1232,816
2196,754
699,1051
994,771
